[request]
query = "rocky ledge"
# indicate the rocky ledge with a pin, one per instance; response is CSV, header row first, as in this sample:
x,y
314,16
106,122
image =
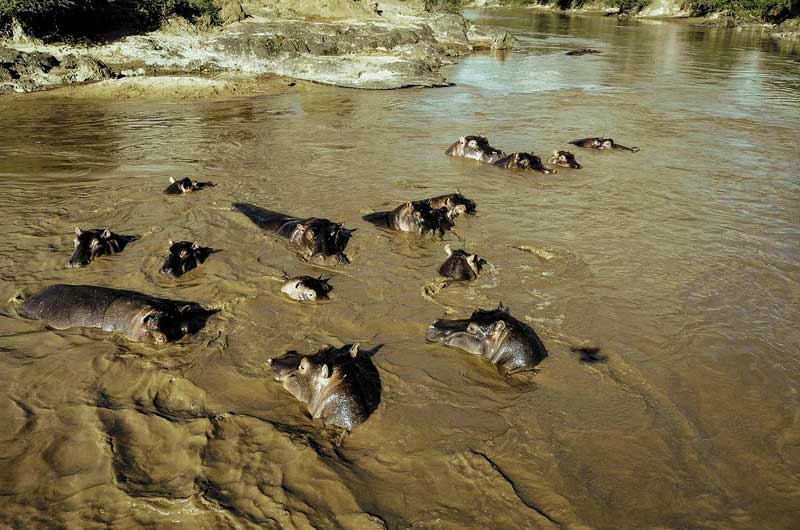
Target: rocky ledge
x,y
393,45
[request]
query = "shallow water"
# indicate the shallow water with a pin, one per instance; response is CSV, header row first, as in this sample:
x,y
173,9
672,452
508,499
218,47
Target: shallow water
x,y
680,261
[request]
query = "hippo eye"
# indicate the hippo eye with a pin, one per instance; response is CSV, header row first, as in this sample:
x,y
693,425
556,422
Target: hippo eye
x,y
473,328
473,143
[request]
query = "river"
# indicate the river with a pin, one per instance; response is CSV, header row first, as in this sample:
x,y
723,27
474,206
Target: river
x,y
681,261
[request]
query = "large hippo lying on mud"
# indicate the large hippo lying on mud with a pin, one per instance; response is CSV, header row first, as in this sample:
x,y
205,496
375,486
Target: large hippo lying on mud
x,y
414,217
318,240
90,244
476,148
503,340
137,316
339,385
601,143
523,161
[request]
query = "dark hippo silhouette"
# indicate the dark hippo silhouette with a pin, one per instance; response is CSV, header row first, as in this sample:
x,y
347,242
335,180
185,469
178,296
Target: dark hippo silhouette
x,y
414,217
137,316
523,161
339,385
564,159
184,256
90,244
476,148
307,288
503,340
185,185
317,240
585,51
601,143
455,203
461,265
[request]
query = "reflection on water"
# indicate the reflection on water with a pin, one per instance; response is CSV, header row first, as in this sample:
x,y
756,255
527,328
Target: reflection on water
x,y
681,261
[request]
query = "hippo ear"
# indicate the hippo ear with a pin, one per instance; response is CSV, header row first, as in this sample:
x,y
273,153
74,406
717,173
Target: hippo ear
x,y
106,234
448,250
473,258
502,308
354,350
462,140
325,372
172,180
499,326
195,245
171,242
78,231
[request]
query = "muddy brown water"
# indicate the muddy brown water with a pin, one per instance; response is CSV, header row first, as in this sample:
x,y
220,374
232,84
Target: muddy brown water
x,y
680,261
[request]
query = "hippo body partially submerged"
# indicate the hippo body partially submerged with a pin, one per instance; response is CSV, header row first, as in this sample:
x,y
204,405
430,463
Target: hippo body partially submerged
x,y
414,217
603,144
523,161
137,316
455,203
503,340
307,288
564,159
461,265
185,185
316,239
339,385
90,244
476,148
184,256
585,51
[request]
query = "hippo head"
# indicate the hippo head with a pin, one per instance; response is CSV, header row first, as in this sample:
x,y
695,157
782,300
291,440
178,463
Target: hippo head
x,y
187,185
603,143
302,376
307,288
564,159
528,161
90,244
183,257
475,147
461,265
322,241
431,222
481,334
456,205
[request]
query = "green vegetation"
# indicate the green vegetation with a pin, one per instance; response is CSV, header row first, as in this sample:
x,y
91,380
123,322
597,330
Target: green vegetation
x,y
58,19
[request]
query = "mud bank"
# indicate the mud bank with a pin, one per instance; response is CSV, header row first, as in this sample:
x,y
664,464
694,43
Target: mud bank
x,y
391,45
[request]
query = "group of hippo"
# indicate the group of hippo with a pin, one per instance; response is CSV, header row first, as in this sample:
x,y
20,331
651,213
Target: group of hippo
x,y
339,385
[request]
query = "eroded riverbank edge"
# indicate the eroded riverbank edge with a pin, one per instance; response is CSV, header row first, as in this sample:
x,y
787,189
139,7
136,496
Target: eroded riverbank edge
x,y
388,49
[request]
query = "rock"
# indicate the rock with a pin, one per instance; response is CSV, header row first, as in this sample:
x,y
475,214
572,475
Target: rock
x,y
504,41
230,11
27,72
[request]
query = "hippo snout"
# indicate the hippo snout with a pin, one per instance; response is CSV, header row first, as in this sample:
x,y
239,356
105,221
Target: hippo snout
x,y
77,263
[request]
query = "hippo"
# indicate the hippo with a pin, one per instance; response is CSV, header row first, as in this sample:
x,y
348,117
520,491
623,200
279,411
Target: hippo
x,y
185,185
455,203
317,240
184,256
138,316
340,385
564,159
475,147
585,51
523,161
461,265
509,344
415,217
307,288
602,143
90,244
